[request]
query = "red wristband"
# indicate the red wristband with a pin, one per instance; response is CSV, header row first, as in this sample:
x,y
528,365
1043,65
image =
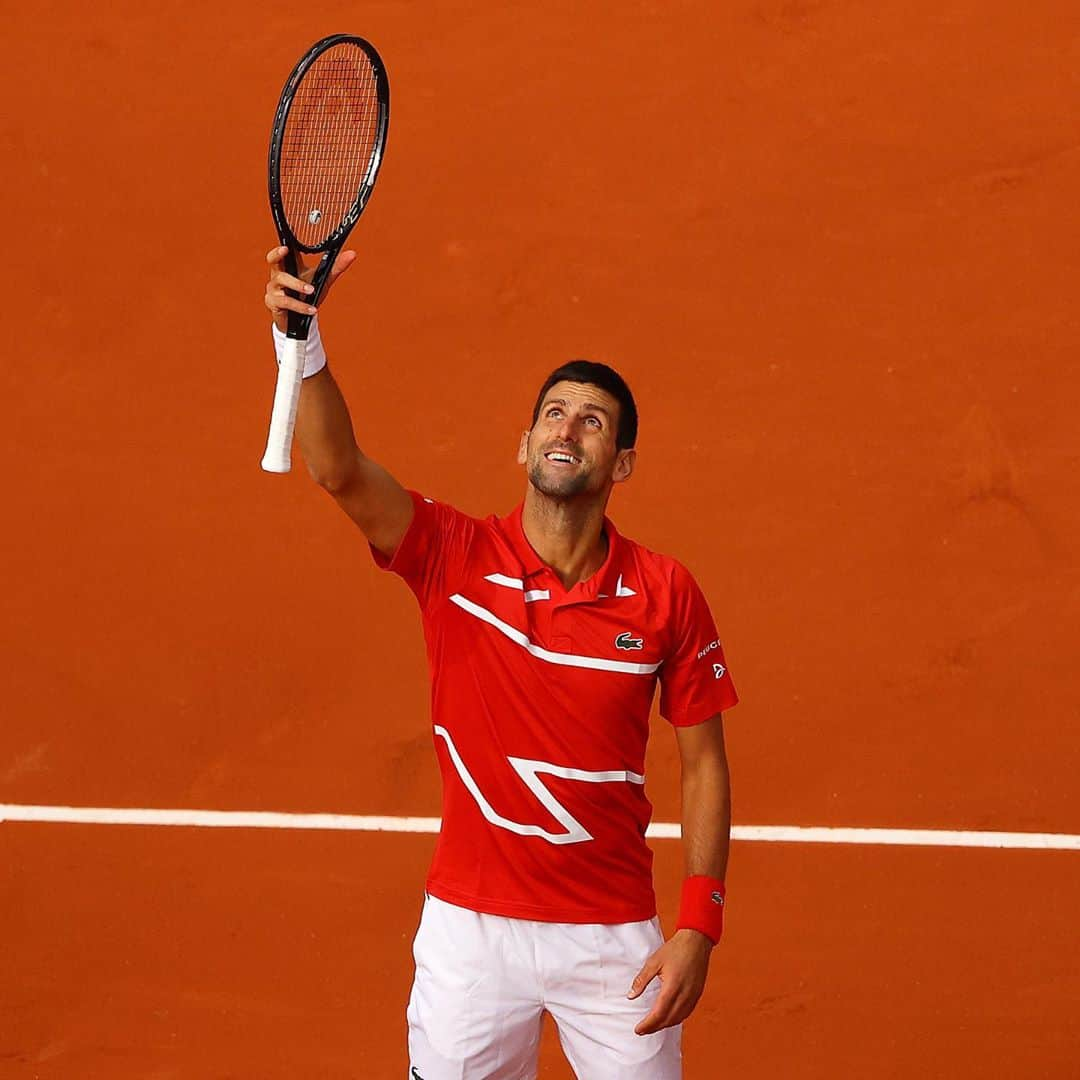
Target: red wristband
x,y
702,906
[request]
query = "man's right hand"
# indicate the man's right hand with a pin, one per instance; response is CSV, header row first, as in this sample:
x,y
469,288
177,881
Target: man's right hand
x,y
278,300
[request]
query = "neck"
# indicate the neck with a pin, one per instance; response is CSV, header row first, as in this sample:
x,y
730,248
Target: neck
x,y
568,534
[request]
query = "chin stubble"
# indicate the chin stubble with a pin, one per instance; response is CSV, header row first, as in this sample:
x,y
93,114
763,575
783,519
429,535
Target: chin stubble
x,y
557,488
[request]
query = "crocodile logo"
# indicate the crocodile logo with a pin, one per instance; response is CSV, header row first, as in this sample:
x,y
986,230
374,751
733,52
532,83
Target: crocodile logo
x,y
627,641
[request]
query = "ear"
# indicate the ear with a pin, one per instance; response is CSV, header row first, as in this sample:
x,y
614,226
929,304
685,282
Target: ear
x,y
624,465
523,449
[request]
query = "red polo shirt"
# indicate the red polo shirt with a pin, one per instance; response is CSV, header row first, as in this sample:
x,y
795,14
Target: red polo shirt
x,y
540,699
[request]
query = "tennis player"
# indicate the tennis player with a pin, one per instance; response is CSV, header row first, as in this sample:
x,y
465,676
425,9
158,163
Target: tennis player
x,y
546,633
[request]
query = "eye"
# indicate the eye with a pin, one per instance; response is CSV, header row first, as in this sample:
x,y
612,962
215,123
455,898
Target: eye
x,y
554,411
594,421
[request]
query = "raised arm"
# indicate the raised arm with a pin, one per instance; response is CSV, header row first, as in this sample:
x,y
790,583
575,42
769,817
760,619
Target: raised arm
x,y
378,504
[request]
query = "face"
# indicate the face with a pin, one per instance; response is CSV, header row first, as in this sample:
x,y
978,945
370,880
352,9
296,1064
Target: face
x,y
571,449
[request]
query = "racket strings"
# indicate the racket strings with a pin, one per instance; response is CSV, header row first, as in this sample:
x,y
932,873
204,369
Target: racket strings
x,y
329,142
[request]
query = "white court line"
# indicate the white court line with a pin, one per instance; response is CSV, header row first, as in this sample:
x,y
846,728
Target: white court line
x,y
661,830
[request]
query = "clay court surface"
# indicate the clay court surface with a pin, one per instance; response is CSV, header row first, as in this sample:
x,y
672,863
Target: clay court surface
x,y
832,246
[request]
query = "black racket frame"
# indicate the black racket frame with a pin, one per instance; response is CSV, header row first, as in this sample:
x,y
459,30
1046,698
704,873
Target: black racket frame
x,y
299,323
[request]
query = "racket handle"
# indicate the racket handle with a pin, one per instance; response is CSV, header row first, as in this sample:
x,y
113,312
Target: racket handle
x,y
277,458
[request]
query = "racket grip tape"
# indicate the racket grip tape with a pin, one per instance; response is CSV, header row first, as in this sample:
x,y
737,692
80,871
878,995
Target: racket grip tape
x,y
277,458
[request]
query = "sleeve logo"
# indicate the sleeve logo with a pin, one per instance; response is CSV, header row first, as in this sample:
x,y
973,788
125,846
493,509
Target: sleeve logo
x,y
718,671
708,649
627,641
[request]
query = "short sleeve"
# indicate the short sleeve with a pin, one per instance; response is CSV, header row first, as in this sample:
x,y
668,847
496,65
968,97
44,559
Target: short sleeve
x,y
433,550
695,683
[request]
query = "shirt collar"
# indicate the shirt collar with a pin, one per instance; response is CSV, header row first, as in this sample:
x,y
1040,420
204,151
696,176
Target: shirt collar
x,y
603,582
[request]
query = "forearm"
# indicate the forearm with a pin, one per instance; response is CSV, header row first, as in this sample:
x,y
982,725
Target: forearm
x,y
706,817
324,432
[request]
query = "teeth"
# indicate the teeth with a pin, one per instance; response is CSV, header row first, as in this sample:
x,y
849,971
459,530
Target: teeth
x,y
555,456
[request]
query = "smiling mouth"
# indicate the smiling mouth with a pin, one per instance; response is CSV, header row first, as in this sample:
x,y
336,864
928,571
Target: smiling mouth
x,y
562,458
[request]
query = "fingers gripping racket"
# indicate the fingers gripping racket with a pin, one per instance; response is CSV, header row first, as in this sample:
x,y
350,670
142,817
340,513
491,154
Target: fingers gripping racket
x,y
325,150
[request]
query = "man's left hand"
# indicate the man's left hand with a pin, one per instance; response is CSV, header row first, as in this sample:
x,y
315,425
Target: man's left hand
x,y
682,964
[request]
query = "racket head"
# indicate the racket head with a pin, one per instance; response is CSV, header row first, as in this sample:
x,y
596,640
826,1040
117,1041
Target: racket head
x,y
327,143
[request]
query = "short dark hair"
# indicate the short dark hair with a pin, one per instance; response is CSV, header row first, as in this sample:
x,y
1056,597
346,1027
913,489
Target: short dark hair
x,y
593,374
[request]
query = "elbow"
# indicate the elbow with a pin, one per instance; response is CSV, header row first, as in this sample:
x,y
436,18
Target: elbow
x,y
333,482
332,476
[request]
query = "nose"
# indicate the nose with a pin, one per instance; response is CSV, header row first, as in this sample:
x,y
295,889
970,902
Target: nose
x,y
566,428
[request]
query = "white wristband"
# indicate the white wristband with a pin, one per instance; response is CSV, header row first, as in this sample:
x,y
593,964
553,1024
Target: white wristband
x,y
314,353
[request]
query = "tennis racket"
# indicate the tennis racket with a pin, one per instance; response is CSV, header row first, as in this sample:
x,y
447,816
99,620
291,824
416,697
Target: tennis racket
x,y
325,150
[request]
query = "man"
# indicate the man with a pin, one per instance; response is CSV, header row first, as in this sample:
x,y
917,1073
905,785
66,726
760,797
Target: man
x,y
546,634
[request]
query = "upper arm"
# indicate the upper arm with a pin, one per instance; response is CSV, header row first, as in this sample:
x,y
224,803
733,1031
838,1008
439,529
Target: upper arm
x,y
702,744
433,550
379,505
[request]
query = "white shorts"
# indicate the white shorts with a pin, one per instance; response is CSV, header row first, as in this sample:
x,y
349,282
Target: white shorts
x,y
483,983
